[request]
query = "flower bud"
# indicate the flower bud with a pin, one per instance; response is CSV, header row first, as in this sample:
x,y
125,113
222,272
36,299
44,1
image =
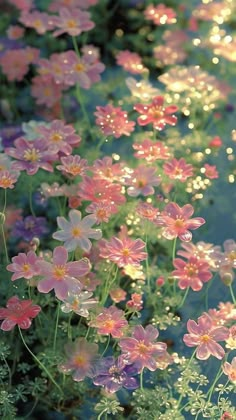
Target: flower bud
x,y
227,278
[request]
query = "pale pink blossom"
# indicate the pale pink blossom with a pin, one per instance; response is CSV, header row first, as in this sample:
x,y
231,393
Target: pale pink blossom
x,y
130,62
72,21
40,21
141,347
97,190
205,336
45,90
113,121
141,180
147,211
8,179
77,231
60,275
118,295
24,266
151,151
156,114
110,321
178,169
61,137
15,32
123,251
192,273
230,370
73,165
176,221
210,171
160,15
136,302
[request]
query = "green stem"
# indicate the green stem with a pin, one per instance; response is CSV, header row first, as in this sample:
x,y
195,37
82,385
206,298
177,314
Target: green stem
x,y
5,201
141,380
147,263
210,392
100,415
38,361
30,199
107,345
174,249
56,327
184,298
232,294
75,45
4,243
188,364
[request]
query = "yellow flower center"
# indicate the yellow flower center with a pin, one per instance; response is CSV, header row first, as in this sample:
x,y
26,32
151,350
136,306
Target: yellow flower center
x,y
56,137
142,349
59,271
5,182
76,232
79,67
80,361
125,252
71,23
179,223
26,268
205,338
31,154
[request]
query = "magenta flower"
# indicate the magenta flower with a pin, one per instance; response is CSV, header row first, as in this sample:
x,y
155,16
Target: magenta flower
x,y
18,312
205,335
24,266
77,231
177,222
110,321
123,251
156,114
112,121
62,276
141,181
178,169
192,273
141,348
31,155
82,357
230,370
72,22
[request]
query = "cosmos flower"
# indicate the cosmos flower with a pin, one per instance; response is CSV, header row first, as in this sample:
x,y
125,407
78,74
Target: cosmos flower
x,y
178,169
110,321
82,357
205,335
24,266
176,221
142,348
77,231
156,114
192,273
113,374
141,180
18,312
72,21
113,121
151,151
123,251
62,276
79,302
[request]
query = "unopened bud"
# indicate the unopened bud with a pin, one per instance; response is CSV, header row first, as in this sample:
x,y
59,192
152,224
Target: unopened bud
x,y
227,278
2,218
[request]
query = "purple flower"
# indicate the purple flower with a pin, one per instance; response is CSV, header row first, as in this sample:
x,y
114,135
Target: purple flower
x,y
115,374
29,228
31,155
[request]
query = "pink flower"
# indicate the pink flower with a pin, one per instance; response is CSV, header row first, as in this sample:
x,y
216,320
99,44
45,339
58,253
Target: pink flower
x,y
211,171
123,251
31,155
79,303
102,211
136,302
22,4
130,62
205,335
156,114
113,121
15,63
177,222
203,251
77,231
105,169
41,22
24,265
178,169
60,137
160,15
82,356
15,32
118,295
8,179
151,151
62,276
147,211
99,190
18,312
216,142
141,348
110,321
230,370
72,21
45,90
141,181
73,165
192,273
